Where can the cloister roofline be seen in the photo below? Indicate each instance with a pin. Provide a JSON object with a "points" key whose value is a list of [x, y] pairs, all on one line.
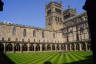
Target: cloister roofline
{"points": [[23, 42], [29, 42], [77, 42], [25, 26]]}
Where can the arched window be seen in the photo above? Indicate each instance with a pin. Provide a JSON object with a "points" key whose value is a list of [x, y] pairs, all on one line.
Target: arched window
{"points": [[53, 35], [16, 39], [34, 33], [43, 34], [3, 39], [9, 39], [56, 18], [81, 30], [22, 40], [28, 40], [24, 32], [39, 41], [14, 31], [34, 40]]}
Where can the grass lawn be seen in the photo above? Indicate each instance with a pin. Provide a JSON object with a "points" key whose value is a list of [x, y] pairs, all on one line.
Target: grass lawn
{"points": [[80, 57]]}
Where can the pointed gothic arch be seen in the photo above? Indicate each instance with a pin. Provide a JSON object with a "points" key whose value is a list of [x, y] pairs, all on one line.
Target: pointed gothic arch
{"points": [[9, 47], [17, 47], [31, 48], [37, 47], [53, 46], [24, 47]]}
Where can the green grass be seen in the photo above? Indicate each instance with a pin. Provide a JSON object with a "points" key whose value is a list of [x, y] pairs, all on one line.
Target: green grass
{"points": [[53, 57]]}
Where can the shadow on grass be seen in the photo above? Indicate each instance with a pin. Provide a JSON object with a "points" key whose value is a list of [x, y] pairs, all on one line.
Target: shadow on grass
{"points": [[88, 60], [47, 62], [4, 59]]}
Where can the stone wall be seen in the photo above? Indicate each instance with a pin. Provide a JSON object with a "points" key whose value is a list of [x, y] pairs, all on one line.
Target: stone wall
{"points": [[76, 28], [12, 32]]}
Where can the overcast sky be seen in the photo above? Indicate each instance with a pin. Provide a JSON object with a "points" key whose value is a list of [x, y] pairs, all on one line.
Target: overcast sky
{"points": [[32, 12]]}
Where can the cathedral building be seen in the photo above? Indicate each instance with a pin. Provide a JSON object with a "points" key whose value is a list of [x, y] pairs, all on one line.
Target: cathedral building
{"points": [[65, 31]]}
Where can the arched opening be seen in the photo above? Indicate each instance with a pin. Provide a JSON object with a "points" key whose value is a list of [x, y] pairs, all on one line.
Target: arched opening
{"points": [[48, 47], [9, 47], [24, 47], [57, 46], [1, 47], [53, 46], [77, 46], [62, 46], [31, 48], [43, 47], [68, 47], [72, 46], [37, 47], [17, 47], [83, 46]]}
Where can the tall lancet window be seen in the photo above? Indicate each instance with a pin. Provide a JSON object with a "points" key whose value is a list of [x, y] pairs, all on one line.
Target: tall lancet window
{"points": [[54, 35], [24, 32], [14, 31], [34, 33], [43, 34]]}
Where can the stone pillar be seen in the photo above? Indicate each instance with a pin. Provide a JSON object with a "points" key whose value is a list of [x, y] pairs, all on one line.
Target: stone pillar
{"points": [[70, 47], [75, 47], [46, 47], [28, 47], [59, 47], [66, 47], [13, 47], [21, 47], [80, 46], [86, 46], [4, 47], [34, 47], [55, 47], [51, 46], [40, 47]]}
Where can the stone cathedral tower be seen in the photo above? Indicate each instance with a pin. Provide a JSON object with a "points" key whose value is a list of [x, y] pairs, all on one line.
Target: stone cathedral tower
{"points": [[54, 16]]}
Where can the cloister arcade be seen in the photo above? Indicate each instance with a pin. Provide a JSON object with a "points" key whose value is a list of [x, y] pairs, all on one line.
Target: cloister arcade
{"points": [[34, 47]]}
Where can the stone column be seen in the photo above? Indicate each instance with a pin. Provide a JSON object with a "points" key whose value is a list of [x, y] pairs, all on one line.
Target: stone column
{"points": [[4, 47], [51, 46], [28, 47], [40, 47], [13, 47], [55, 47], [80, 46], [75, 47], [46, 47], [70, 47], [66, 47], [59, 47], [86, 46], [34, 47], [21, 47]]}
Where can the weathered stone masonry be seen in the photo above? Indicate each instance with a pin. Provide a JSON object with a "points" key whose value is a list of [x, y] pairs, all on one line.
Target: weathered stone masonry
{"points": [[65, 31]]}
